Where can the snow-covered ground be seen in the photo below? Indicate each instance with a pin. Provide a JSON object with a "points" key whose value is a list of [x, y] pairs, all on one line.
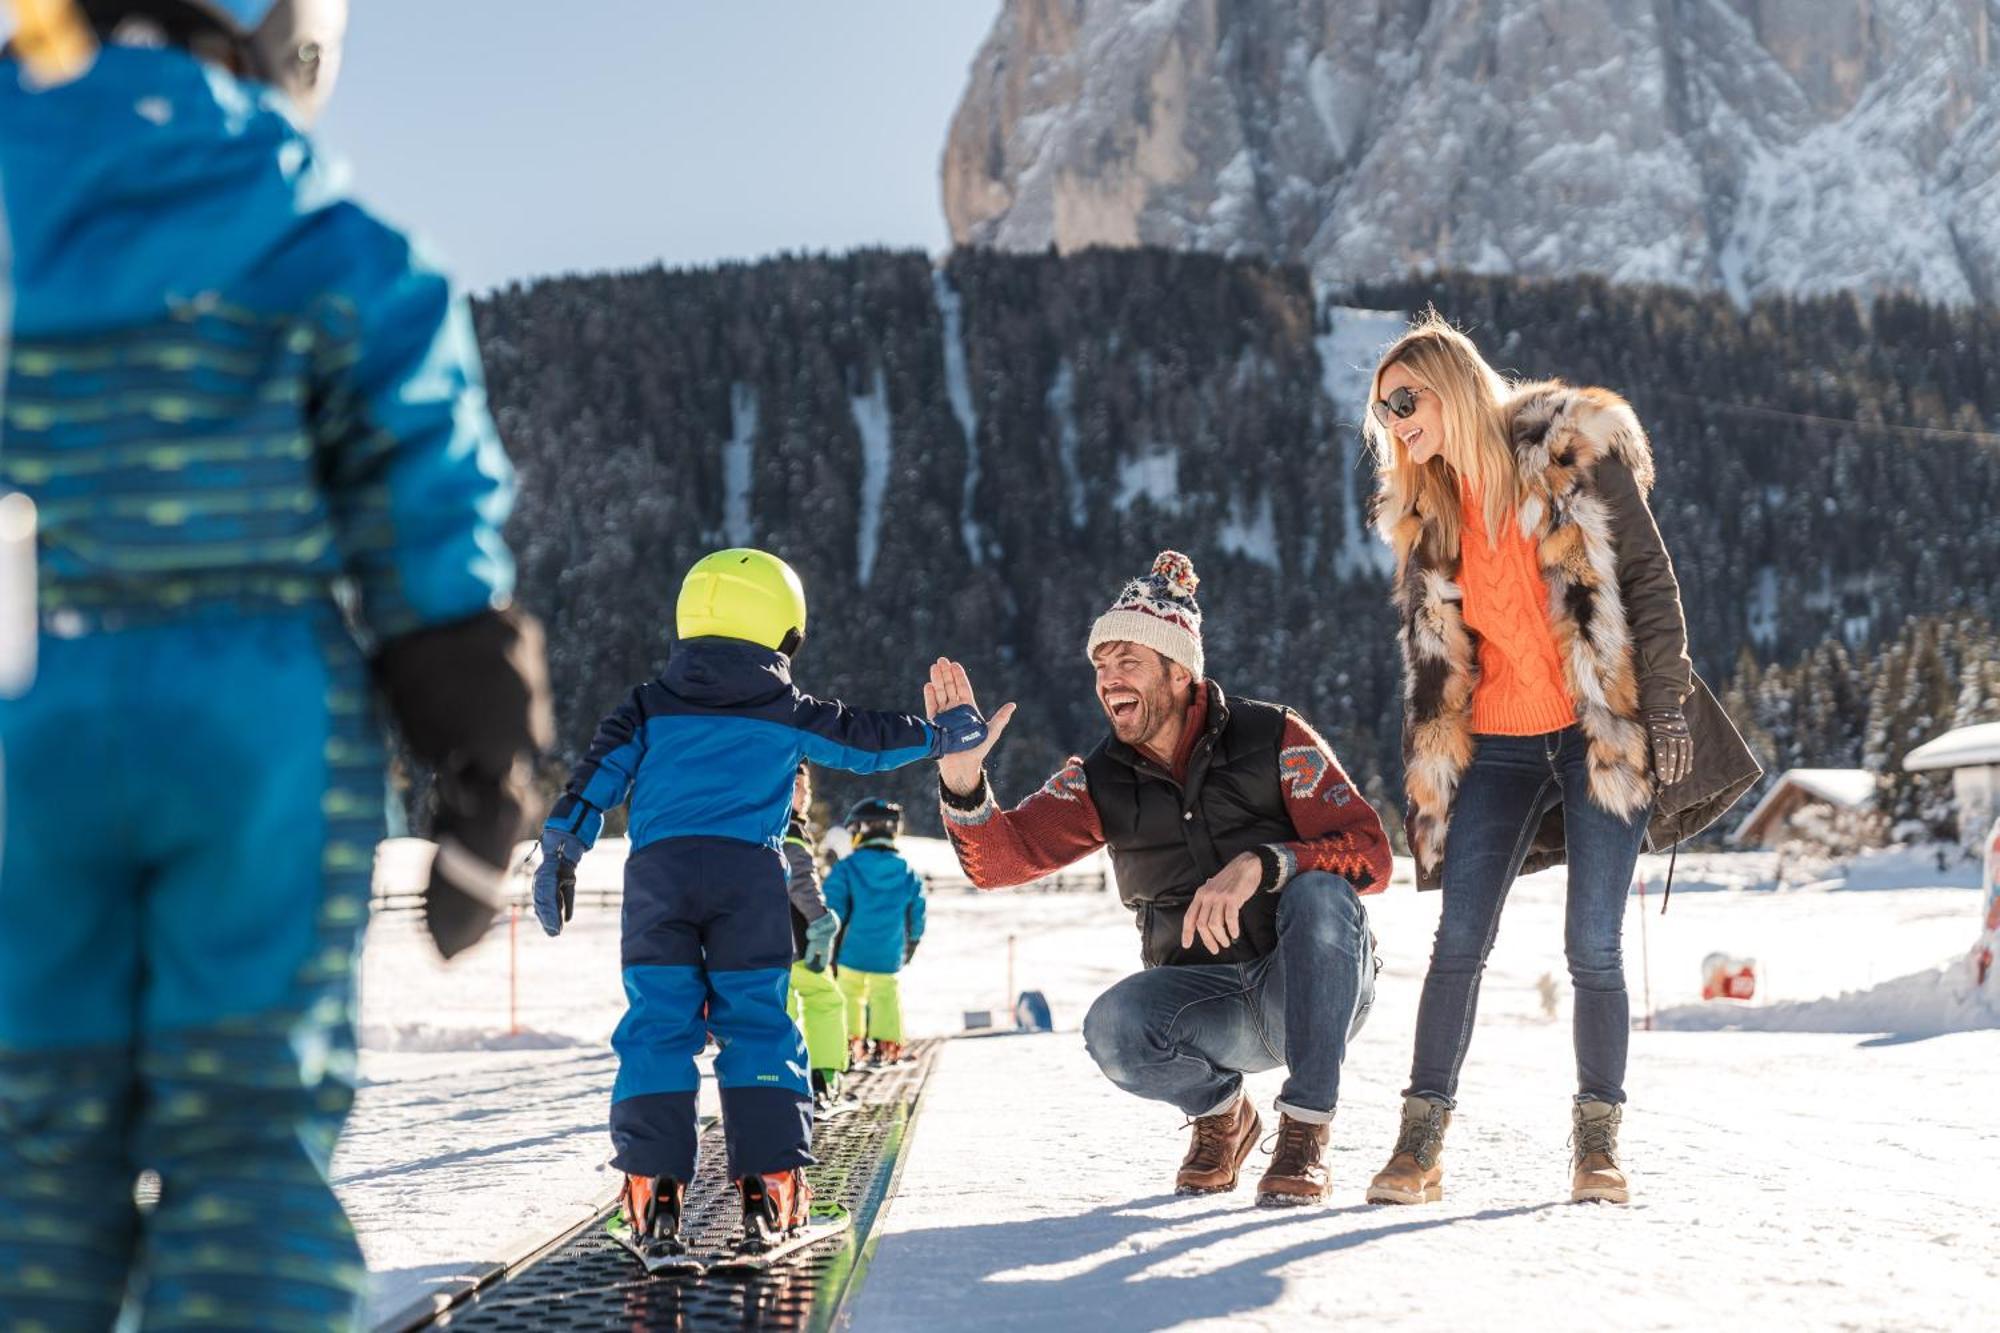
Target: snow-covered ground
{"points": [[1845, 1171], [1839, 1178], [471, 1131]]}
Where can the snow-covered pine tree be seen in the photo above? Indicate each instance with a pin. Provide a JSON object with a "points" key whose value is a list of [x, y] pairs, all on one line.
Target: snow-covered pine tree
{"points": [[1835, 708], [1978, 678], [1924, 712], [1882, 746]]}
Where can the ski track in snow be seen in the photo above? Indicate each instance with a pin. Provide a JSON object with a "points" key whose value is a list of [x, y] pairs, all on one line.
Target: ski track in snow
{"points": [[737, 462], [1347, 356], [1254, 535], [958, 388], [1062, 406], [1154, 476], [1794, 1179], [871, 418]]}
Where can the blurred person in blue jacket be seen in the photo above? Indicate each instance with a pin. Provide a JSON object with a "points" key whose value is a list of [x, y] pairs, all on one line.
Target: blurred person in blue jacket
{"points": [[252, 420], [881, 901], [707, 755]]}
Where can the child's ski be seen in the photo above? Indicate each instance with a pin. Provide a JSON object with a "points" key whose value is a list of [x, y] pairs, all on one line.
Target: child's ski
{"points": [[662, 1258], [825, 1220]]}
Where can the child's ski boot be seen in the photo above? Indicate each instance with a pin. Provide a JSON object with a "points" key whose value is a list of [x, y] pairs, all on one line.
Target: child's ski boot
{"points": [[888, 1053], [779, 1220], [828, 1100], [774, 1206], [651, 1208]]}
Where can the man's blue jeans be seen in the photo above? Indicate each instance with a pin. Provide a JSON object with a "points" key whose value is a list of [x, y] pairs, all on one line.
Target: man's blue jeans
{"points": [[1512, 782], [1188, 1034]]}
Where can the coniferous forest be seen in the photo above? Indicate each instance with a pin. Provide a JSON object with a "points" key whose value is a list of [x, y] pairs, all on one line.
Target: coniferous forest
{"points": [[971, 461]]}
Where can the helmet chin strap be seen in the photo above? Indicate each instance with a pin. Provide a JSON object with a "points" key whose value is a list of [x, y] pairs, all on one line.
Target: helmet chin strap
{"points": [[794, 640]]}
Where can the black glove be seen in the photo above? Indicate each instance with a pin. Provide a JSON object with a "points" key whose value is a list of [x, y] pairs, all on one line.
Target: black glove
{"points": [[1673, 744], [472, 701], [909, 950]]}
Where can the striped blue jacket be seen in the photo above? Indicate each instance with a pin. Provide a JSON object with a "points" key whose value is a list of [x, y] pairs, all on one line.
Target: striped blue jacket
{"points": [[710, 748], [229, 384]]}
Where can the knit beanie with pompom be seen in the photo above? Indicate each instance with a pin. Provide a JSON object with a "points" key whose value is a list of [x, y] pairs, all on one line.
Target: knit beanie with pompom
{"points": [[1159, 611]]}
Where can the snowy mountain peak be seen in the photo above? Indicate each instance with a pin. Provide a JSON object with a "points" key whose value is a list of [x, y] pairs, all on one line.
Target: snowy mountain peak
{"points": [[1757, 145]]}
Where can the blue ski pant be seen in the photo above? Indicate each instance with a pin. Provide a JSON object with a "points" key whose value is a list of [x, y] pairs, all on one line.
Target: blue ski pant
{"points": [[707, 948], [191, 815]]}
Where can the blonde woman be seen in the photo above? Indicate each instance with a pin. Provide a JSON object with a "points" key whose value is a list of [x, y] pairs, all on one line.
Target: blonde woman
{"points": [[1550, 710]]}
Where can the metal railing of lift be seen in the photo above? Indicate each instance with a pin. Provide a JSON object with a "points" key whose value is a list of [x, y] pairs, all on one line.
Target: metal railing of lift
{"points": [[520, 889], [1064, 881], [520, 893]]}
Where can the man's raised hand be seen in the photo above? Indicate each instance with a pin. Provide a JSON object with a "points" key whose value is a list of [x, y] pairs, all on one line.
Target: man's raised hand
{"points": [[949, 688]]}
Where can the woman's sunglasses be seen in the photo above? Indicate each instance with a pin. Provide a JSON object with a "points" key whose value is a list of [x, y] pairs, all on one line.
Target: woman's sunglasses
{"points": [[1399, 404]]}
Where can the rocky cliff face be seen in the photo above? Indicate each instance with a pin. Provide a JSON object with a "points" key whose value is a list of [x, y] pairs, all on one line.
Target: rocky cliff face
{"points": [[1754, 145]]}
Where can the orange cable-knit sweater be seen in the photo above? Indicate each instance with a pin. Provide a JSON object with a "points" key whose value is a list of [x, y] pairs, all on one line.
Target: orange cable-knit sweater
{"points": [[1520, 690]]}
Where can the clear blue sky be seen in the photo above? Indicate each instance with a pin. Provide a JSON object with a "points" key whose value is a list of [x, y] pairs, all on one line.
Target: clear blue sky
{"points": [[530, 138]]}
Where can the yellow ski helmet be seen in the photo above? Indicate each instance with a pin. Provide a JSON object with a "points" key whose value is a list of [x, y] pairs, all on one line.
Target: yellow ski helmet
{"points": [[743, 594]]}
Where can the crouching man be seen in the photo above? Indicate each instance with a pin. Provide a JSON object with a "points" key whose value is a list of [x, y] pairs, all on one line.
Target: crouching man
{"points": [[1242, 847]]}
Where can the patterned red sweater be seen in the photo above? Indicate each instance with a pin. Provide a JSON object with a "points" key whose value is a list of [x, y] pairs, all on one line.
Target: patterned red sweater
{"points": [[1338, 831]]}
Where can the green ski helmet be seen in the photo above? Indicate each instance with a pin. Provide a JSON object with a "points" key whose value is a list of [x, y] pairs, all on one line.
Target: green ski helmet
{"points": [[743, 594]]}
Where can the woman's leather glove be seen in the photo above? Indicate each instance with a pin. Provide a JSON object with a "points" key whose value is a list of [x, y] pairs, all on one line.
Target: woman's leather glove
{"points": [[1673, 744]]}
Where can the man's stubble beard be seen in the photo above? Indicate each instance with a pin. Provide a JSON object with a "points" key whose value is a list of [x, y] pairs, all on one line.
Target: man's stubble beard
{"points": [[1156, 709]]}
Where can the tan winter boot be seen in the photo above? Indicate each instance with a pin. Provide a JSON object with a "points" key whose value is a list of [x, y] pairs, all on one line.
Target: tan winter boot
{"points": [[1297, 1174], [1415, 1173], [1221, 1142], [1598, 1178]]}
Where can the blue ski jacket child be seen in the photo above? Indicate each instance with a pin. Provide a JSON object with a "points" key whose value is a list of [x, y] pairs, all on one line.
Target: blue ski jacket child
{"points": [[706, 755], [881, 901], [251, 419]]}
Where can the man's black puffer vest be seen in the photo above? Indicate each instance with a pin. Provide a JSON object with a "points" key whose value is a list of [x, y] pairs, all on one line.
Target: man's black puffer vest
{"points": [[1167, 839]]}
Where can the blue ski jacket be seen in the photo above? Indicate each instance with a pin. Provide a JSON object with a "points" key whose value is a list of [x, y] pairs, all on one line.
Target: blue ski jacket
{"points": [[228, 383], [880, 900], [710, 747]]}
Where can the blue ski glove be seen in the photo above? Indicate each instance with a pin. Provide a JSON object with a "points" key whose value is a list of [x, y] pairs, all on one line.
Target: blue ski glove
{"points": [[820, 935], [959, 728], [555, 879]]}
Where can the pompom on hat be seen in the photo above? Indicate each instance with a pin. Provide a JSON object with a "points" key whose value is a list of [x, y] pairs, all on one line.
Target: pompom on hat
{"points": [[1159, 611]]}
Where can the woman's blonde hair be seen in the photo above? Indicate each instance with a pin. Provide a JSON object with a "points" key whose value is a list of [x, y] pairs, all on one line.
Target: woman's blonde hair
{"points": [[1474, 449]]}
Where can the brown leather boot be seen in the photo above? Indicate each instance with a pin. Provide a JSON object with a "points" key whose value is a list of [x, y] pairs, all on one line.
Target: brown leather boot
{"points": [[1595, 1140], [1415, 1173], [1297, 1174], [1221, 1142]]}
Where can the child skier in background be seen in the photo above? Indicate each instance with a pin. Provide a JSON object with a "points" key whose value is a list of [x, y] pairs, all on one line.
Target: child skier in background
{"points": [[816, 1003], [881, 900], [708, 755]]}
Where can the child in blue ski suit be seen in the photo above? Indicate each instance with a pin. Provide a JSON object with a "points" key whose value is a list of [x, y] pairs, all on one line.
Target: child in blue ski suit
{"points": [[252, 421], [881, 901], [706, 754]]}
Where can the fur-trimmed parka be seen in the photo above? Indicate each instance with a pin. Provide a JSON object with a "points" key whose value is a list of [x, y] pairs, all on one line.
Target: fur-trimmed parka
{"points": [[1614, 607]]}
